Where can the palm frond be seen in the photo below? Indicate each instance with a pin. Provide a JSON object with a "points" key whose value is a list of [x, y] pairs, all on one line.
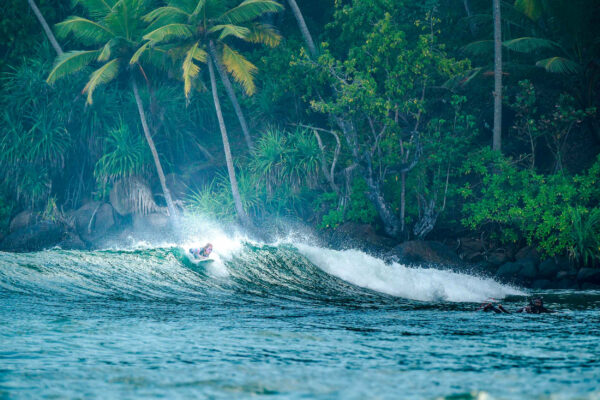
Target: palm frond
{"points": [[106, 50], [96, 8], [70, 62], [559, 65], [168, 32], [102, 75], [199, 6], [242, 70], [249, 10], [529, 44], [190, 69], [480, 47], [532, 8], [264, 34], [138, 53], [165, 12], [84, 30], [230, 30]]}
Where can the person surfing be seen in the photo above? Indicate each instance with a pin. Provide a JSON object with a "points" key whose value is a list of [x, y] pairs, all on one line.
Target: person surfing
{"points": [[201, 253]]}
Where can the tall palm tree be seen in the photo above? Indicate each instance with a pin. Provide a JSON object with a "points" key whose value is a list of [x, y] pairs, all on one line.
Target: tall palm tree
{"points": [[115, 33], [303, 28], [199, 31], [497, 136], [47, 30]]}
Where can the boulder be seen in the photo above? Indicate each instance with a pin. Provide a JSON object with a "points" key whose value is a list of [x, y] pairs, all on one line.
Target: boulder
{"points": [[589, 275], [429, 252], [497, 258], [548, 269], [150, 222], [565, 283], [541, 284], [33, 238], [72, 241], [528, 253], [352, 235], [471, 249], [23, 220], [93, 220], [590, 286], [508, 271], [528, 270]]}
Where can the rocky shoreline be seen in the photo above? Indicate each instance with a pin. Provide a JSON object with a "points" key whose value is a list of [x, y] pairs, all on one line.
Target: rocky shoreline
{"points": [[95, 224]]}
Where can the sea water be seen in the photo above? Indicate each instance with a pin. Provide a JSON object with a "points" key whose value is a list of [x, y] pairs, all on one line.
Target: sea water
{"points": [[283, 321]]}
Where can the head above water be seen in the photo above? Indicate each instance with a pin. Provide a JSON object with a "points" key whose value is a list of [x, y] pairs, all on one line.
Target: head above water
{"points": [[537, 302]]}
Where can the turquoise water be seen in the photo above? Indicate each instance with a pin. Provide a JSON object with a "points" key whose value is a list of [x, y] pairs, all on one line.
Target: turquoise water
{"points": [[283, 322]]}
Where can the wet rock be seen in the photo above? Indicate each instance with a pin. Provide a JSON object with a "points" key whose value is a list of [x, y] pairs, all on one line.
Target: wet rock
{"points": [[541, 284], [565, 284], [23, 220], [429, 252], [93, 220], [352, 235], [150, 222], [36, 237], [548, 269], [497, 258], [509, 271], [528, 270], [528, 253], [589, 275], [471, 249], [72, 242], [590, 286]]}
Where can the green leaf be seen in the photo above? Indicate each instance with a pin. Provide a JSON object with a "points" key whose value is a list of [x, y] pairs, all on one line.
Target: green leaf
{"points": [[529, 44], [84, 30], [242, 70], [264, 34], [136, 56], [190, 69], [249, 10], [559, 65], [102, 75], [230, 30], [168, 32], [480, 47], [71, 62]]}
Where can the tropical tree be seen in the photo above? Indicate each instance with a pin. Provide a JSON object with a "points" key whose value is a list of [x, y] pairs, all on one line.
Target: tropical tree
{"points": [[115, 33], [497, 139], [200, 31], [303, 28], [45, 26]]}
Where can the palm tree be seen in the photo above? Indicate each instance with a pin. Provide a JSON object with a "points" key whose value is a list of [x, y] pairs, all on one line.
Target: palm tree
{"points": [[497, 138], [198, 31], [46, 28], [303, 28], [115, 30]]}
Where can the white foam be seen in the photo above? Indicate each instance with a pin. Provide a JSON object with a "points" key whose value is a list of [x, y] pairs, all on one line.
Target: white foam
{"points": [[424, 284]]}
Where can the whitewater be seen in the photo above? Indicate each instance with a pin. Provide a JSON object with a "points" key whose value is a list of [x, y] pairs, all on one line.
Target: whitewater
{"points": [[281, 319]]}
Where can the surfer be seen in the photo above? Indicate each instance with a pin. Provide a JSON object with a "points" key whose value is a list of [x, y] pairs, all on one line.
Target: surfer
{"points": [[202, 252], [536, 306], [491, 307]]}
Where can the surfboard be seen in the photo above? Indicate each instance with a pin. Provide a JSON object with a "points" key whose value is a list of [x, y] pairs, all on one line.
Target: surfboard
{"points": [[200, 261]]}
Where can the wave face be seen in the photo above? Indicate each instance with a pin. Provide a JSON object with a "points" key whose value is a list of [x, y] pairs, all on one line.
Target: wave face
{"points": [[299, 271]]}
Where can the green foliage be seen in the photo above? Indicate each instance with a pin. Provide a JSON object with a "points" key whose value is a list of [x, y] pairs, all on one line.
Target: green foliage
{"points": [[359, 209], [586, 236]]}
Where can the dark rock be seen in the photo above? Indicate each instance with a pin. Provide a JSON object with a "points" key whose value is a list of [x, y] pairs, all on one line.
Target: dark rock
{"points": [[497, 258], [548, 269], [589, 275], [590, 286], [72, 242], [23, 220], [541, 284], [150, 222], [352, 235], [471, 249], [528, 253], [487, 268], [33, 238], [93, 220], [508, 271], [417, 251], [528, 270], [565, 284]]}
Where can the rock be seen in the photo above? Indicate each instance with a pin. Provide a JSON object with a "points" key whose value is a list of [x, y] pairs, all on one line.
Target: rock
{"points": [[33, 238], [72, 242], [528, 253], [565, 284], [590, 286], [541, 284], [589, 275], [508, 271], [150, 222], [528, 270], [548, 269], [497, 258], [430, 252], [352, 235], [23, 220], [93, 220], [471, 249]]}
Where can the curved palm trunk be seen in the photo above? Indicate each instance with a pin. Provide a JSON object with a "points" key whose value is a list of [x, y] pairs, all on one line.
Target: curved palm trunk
{"points": [[303, 28], [234, 186], [497, 140], [47, 29], [232, 96], [161, 175]]}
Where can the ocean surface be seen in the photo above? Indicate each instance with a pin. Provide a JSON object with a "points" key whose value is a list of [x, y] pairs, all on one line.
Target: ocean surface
{"points": [[281, 321]]}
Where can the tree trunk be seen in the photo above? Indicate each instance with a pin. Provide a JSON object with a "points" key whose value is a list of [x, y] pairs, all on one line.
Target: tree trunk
{"points": [[47, 29], [161, 175], [497, 139], [303, 28], [469, 14], [232, 95], [402, 200], [243, 217]]}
